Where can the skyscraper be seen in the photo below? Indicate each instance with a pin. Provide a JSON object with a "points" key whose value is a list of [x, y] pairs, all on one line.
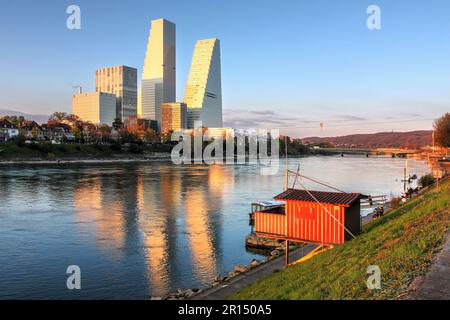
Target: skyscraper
{"points": [[203, 95], [121, 81], [158, 76]]}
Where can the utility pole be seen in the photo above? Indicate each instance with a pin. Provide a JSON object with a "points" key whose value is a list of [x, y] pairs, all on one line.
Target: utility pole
{"points": [[404, 176], [287, 169]]}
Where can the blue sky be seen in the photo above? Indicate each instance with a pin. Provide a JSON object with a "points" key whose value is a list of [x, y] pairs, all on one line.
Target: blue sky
{"points": [[289, 64]]}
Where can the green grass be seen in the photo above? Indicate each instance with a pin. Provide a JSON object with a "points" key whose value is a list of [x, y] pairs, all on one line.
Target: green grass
{"points": [[402, 243]]}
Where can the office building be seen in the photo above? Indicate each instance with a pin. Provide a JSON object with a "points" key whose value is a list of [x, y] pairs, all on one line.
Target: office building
{"points": [[95, 107], [173, 116], [158, 75], [122, 82]]}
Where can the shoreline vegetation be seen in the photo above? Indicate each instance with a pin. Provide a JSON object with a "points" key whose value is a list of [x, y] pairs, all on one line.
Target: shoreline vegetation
{"points": [[403, 243], [20, 150]]}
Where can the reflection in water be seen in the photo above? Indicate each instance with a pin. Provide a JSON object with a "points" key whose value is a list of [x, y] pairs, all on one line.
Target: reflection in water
{"points": [[145, 229], [100, 212]]}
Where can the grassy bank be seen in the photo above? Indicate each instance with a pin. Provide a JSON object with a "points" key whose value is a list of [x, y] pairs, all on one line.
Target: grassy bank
{"points": [[47, 151], [402, 244]]}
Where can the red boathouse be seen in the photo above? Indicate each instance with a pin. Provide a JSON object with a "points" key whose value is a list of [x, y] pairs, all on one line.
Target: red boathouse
{"points": [[311, 216]]}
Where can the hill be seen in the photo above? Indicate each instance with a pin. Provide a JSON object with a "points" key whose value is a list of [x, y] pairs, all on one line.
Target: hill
{"points": [[410, 140], [39, 118], [403, 244]]}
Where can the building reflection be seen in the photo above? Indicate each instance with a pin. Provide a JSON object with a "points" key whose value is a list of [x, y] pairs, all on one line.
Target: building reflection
{"points": [[157, 206], [97, 209], [171, 215]]}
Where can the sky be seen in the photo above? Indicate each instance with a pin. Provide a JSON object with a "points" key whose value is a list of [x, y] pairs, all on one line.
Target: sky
{"points": [[287, 64]]}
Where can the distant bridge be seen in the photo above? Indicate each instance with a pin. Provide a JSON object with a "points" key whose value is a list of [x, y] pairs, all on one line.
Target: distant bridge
{"points": [[365, 151]]}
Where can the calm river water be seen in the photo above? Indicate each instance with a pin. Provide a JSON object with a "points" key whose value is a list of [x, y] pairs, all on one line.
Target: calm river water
{"points": [[141, 230]]}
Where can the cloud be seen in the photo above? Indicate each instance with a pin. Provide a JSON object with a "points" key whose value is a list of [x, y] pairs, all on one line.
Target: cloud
{"points": [[271, 119]]}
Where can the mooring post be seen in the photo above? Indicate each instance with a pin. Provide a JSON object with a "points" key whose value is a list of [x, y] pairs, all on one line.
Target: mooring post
{"points": [[286, 257]]}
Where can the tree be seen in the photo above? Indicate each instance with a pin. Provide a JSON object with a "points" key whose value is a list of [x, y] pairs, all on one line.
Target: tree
{"points": [[150, 135], [442, 130], [58, 116], [77, 133], [15, 120], [105, 133], [117, 124], [426, 180]]}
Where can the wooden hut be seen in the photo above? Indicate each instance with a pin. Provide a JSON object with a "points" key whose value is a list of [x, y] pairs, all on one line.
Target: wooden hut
{"points": [[311, 216]]}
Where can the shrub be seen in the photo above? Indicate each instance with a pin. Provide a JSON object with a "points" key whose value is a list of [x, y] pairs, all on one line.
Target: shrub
{"points": [[50, 156], [44, 147], [62, 148], [100, 147], [395, 202], [426, 180], [20, 140], [116, 147], [135, 148]]}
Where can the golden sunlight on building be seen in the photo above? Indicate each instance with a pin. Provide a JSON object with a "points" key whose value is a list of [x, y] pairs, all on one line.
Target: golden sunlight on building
{"points": [[156, 222], [200, 233], [108, 221]]}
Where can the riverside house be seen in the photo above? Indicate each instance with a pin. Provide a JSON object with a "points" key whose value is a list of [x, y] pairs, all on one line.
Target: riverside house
{"points": [[31, 130], [58, 132], [7, 130]]}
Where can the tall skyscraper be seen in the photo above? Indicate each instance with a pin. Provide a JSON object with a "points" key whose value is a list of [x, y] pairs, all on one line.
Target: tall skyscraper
{"points": [[121, 81], [203, 95], [95, 107], [158, 76]]}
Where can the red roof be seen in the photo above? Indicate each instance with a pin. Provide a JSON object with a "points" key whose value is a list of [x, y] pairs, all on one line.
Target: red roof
{"points": [[321, 196]]}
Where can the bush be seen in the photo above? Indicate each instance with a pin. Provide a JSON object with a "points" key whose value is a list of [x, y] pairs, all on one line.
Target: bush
{"points": [[100, 147], [50, 156], [135, 148], [45, 147], [116, 147], [62, 148], [426, 180], [395, 202], [19, 140]]}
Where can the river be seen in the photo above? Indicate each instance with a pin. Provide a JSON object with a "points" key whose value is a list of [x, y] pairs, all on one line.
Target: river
{"points": [[146, 229]]}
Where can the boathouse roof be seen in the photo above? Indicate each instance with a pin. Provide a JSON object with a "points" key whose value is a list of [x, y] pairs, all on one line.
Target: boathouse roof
{"points": [[321, 196]]}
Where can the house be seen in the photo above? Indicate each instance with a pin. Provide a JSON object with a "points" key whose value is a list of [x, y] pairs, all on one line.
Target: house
{"points": [[58, 132], [311, 216], [31, 130], [7, 130]]}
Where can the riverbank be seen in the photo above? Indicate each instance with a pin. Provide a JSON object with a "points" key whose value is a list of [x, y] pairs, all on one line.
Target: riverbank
{"points": [[46, 153], [130, 159], [403, 244], [231, 285]]}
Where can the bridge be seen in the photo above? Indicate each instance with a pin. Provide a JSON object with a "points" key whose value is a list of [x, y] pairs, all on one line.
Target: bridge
{"points": [[366, 151]]}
